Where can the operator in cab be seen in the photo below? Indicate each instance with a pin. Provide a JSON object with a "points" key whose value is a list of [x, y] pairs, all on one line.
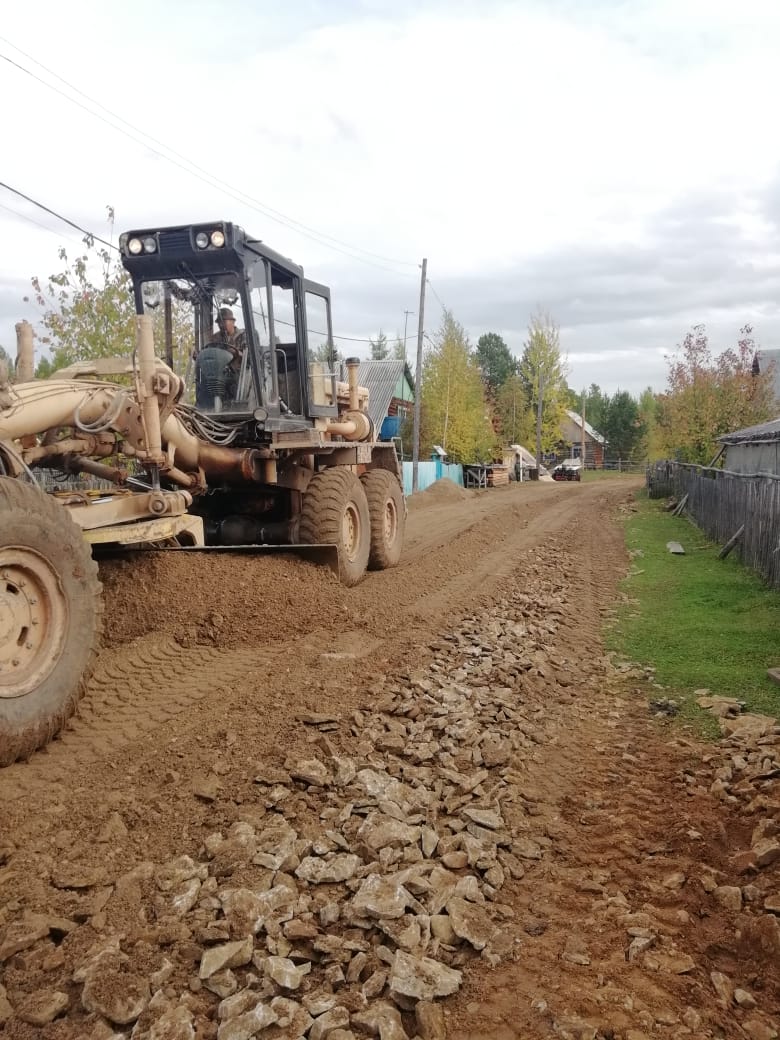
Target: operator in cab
{"points": [[218, 365], [234, 340]]}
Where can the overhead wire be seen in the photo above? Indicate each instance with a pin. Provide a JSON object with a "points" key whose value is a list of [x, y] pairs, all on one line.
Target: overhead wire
{"points": [[59, 216], [199, 172], [351, 339], [31, 220], [110, 245], [436, 295]]}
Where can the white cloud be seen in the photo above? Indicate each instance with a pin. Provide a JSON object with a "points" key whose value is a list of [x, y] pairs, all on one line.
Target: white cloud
{"points": [[611, 159]]}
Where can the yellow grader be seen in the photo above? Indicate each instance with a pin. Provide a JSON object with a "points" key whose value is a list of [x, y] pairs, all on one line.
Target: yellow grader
{"points": [[254, 444]]}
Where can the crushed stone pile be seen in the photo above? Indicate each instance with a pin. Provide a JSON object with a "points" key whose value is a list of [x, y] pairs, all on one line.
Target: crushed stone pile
{"points": [[348, 897]]}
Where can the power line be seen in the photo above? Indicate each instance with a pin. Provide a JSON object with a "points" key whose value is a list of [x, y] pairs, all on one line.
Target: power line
{"points": [[59, 216], [438, 298], [350, 339], [30, 220], [97, 238], [198, 171]]}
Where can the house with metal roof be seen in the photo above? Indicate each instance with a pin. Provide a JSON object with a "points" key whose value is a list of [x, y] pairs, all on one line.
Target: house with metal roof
{"points": [[571, 435], [390, 386], [756, 449]]}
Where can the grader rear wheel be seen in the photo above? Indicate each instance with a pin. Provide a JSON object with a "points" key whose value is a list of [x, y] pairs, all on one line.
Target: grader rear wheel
{"points": [[388, 518], [335, 512], [50, 618]]}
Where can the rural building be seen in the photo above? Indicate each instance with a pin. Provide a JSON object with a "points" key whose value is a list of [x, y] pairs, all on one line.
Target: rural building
{"points": [[766, 358], [390, 388], [571, 438], [756, 449]]}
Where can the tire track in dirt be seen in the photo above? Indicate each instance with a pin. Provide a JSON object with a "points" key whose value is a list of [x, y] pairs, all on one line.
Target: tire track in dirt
{"points": [[143, 689], [131, 696]]}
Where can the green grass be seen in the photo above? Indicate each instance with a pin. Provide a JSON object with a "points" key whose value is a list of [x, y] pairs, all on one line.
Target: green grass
{"points": [[700, 621], [607, 474]]}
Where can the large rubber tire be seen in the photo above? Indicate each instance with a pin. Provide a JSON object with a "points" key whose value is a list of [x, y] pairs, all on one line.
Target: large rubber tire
{"points": [[335, 512], [50, 618], [387, 511]]}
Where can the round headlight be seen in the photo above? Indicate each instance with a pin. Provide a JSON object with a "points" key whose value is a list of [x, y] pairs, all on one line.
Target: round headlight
{"points": [[134, 246], [217, 239], [201, 240], [150, 245]]}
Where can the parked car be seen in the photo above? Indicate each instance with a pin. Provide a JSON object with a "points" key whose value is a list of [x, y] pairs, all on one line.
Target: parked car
{"points": [[569, 469]]}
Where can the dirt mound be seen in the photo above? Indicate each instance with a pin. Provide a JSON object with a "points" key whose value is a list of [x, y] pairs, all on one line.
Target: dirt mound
{"points": [[444, 490], [222, 598]]}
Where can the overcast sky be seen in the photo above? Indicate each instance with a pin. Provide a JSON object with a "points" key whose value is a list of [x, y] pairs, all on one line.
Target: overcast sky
{"points": [[615, 162]]}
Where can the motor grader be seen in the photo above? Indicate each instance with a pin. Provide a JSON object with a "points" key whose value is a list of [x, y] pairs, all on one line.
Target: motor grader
{"points": [[212, 441]]}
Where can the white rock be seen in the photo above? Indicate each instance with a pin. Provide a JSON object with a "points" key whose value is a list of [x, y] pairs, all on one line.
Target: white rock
{"points": [[290, 1016], [744, 999], [470, 922], [422, 978], [333, 870], [380, 831], [336, 1018], [430, 839], [174, 1024], [484, 817], [382, 1020], [226, 955], [382, 896], [285, 973], [318, 1002], [185, 897], [729, 897], [247, 1024], [223, 983], [173, 874], [311, 771]]}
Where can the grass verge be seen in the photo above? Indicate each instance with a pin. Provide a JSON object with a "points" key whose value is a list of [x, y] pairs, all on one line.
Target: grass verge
{"points": [[609, 474], [700, 621]]}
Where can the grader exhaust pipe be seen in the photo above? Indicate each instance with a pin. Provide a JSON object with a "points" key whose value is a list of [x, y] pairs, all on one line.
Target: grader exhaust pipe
{"points": [[25, 352]]}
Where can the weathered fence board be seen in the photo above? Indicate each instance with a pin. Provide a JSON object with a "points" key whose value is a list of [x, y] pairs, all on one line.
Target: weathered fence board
{"points": [[722, 502]]}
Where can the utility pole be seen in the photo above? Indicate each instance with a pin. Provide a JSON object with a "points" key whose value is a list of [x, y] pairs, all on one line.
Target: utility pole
{"points": [[582, 441], [539, 424], [418, 378]]}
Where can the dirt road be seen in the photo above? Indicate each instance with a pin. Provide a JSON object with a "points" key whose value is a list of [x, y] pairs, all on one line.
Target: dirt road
{"points": [[424, 806]]}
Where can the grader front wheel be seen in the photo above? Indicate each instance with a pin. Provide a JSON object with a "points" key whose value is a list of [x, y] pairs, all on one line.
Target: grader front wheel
{"points": [[50, 614], [335, 512]]}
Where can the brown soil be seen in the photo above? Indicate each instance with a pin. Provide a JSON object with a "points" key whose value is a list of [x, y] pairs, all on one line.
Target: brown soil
{"points": [[444, 490], [208, 665]]}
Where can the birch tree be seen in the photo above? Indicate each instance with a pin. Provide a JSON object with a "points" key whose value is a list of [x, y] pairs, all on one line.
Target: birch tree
{"points": [[455, 413]]}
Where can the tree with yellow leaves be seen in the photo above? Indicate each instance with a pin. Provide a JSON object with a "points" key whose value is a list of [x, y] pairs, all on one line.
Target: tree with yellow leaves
{"points": [[455, 412], [543, 373]]}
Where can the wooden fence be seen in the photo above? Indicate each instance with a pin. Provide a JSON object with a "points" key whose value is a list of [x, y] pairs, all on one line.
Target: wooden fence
{"points": [[722, 502]]}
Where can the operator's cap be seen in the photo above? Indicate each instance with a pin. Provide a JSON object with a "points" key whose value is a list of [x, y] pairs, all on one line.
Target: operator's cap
{"points": [[226, 314]]}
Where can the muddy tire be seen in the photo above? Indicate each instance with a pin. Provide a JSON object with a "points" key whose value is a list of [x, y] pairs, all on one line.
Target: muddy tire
{"points": [[387, 512], [50, 618], [335, 512]]}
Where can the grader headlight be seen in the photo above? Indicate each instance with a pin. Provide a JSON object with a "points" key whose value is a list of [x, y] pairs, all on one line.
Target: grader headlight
{"points": [[202, 240], [217, 239], [150, 245], [135, 246]]}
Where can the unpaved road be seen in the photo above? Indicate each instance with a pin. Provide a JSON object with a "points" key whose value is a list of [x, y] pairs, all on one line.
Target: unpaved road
{"points": [[451, 726]]}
